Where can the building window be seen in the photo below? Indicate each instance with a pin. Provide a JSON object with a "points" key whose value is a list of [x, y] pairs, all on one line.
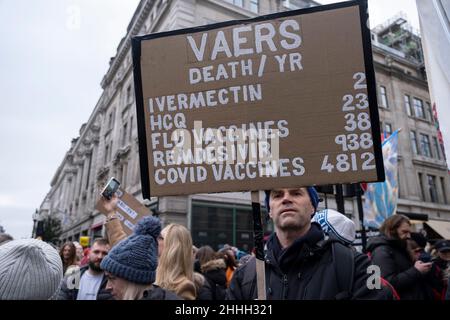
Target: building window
{"points": [[425, 146], [422, 191], [137, 171], [444, 190], [436, 147], [107, 154], [383, 97], [418, 108], [413, 139], [429, 112], [254, 6], [131, 127], [124, 134], [213, 226], [408, 105], [88, 172], [218, 224], [97, 232], [124, 174], [239, 3], [129, 95], [110, 121], [432, 188]]}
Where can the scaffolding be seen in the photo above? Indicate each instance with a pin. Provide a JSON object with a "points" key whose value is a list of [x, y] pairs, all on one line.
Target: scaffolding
{"points": [[398, 34]]}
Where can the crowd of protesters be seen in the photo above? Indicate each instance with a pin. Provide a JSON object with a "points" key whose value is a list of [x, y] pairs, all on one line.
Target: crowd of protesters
{"points": [[308, 256]]}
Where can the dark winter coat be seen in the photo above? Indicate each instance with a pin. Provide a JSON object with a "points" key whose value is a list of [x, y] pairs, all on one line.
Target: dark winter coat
{"points": [[158, 293], [437, 279], [214, 273], [204, 291], [447, 294], [71, 294], [397, 267], [306, 270]]}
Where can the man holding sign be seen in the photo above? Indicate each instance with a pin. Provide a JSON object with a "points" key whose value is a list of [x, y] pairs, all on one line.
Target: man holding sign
{"points": [[300, 262]]}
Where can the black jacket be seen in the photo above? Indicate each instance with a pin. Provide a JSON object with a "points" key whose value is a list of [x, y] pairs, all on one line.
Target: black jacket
{"points": [[306, 270], [397, 267], [71, 294], [215, 276], [158, 293], [436, 278]]}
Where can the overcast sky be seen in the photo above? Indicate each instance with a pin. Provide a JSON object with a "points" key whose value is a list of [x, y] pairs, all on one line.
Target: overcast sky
{"points": [[53, 56]]}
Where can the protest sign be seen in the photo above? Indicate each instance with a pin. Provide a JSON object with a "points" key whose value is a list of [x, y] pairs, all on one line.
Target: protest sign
{"points": [[283, 100], [129, 210]]}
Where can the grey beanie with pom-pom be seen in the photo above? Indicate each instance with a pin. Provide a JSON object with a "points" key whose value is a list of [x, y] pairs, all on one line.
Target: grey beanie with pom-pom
{"points": [[135, 258]]}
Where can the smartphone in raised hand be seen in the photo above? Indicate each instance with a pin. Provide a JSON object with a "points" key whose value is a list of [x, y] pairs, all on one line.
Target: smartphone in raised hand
{"points": [[111, 187]]}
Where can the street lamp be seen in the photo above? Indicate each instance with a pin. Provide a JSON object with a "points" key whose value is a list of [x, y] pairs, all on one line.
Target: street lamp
{"points": [[38, 228], [35, 217]]}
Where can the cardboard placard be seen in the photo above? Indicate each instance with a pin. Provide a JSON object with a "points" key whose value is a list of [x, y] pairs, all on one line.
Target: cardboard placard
{"points": [[129, 210], [283, 100]]}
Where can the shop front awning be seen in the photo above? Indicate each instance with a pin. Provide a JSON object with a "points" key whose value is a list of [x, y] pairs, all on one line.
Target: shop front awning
{"points": [[440, 227]]}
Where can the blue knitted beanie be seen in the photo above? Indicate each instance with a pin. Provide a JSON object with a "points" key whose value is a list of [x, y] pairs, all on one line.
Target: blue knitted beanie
{"points": [[135, 258], [314, 197]]}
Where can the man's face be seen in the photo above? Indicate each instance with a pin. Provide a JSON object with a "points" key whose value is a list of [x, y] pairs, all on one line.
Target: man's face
{"points": [[79, 252], [290, 209], [98, 252], [66, 252], [404, 231], [444, 255]]}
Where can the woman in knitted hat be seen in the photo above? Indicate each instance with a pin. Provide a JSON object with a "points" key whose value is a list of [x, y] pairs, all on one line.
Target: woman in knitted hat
{"points": [[131, 264]]}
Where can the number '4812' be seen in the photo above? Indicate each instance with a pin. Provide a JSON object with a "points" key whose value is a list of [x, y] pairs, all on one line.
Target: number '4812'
{"points": [[344, 163]]}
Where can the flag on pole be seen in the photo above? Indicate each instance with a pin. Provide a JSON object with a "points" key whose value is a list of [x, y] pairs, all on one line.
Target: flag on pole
{"points": [[381, 197], [438, 128]]}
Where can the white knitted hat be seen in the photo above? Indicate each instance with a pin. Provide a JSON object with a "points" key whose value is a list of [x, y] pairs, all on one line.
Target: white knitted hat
{"points": [[30, 269], [335, 222]]}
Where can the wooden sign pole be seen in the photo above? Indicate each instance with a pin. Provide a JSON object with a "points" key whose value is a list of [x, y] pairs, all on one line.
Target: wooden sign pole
{"points": [[259, 246]]}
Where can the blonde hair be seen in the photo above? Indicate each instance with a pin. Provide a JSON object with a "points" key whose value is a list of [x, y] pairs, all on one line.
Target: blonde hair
{"points": [[176, 263], [134, 291]]}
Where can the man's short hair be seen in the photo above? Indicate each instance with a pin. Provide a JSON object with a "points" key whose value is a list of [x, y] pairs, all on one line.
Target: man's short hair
{"points": [[101, 242], [313, 196]]}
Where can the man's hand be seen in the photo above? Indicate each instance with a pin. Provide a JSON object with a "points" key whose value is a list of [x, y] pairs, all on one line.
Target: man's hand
{"points": [[423, 267]]}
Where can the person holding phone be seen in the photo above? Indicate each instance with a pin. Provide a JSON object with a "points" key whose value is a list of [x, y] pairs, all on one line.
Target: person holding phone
{"points": [[442, 265], [108, 200], [390, 252], [431, 282], [114, 229]]}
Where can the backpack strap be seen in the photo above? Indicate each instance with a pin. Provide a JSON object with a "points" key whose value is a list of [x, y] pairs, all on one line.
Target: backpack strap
{"points": [[250, 270], [249, 278], [344, 268]]}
